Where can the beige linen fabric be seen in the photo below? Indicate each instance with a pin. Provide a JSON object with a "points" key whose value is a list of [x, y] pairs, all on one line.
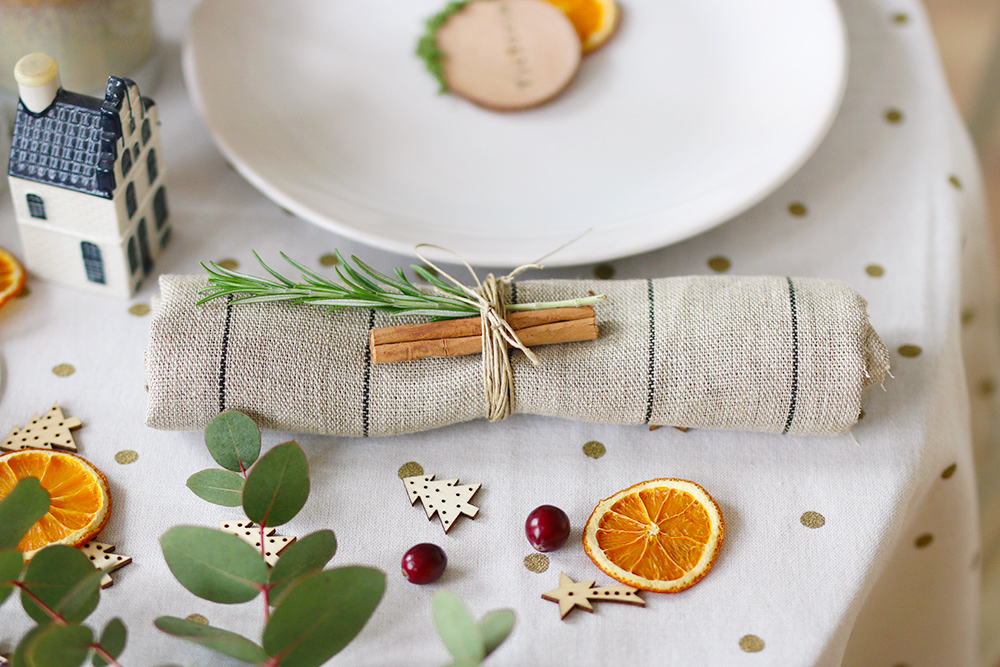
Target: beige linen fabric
{"points": [[772, 354]]}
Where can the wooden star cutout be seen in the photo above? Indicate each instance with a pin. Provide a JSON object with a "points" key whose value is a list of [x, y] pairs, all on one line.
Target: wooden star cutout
{"points": [[51, 431], [250, 533], [100, 555], [572, 594]]}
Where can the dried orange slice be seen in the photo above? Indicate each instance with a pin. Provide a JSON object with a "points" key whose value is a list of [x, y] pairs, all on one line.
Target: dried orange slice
{"points": [[595, 20], [661, 536], [12, 276], [80, 498]]}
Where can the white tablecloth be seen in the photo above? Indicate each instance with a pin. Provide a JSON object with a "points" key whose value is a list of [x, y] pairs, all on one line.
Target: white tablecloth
{"points": [[891, 577]]}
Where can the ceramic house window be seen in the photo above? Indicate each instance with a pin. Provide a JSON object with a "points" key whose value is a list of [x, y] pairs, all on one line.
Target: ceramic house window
{"points": [[147, 258], [160, 207], [36, 207], [133, 256], [126, 163], [151, 165], [130, 203], [147, 132], [92, 262]]}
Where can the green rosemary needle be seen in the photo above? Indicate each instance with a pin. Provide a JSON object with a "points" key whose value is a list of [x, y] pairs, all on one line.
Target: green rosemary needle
{"points": [[361, 287]]}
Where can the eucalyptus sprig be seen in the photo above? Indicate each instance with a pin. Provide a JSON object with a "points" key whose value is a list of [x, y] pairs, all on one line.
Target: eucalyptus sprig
{"points": [[310, 613], [59, 589], [468, 642], [361, 287]]}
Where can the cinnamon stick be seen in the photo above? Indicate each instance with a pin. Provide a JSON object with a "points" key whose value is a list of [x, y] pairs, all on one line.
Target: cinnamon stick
{"points": [[566, 331], [472, 326]]}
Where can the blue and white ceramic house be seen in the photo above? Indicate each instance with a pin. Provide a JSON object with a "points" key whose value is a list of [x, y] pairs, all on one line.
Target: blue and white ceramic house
{"points": [[86, 178]]}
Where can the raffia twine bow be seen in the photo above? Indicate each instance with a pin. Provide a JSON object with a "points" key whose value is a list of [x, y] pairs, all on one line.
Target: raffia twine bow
{"points": [[497, 334]]}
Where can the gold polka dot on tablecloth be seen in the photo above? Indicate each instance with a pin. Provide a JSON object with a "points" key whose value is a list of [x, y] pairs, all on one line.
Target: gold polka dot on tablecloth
{"points": [[955, 182], [874, 270], [812, 520], [949, 471], [23, 293], [594, 449], [968, 315], [229, 263], [900, 18], [751, 643], [537, 563], [126, 456], [719, 264], [139, 310], [63, 370], [909, 351], [798, 209], [410, 469], [894, 116], [986, 387], [197, 618], [604, 271], [923, 540], [329, 259]]}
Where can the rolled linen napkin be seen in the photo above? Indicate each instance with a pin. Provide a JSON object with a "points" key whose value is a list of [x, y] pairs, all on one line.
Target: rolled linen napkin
{"points": [[772, 354]]}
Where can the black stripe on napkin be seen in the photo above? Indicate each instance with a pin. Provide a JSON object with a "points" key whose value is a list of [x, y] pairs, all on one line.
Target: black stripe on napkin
{"points": [[652, 344], [795, 355], [368, 374], [225, 353]]}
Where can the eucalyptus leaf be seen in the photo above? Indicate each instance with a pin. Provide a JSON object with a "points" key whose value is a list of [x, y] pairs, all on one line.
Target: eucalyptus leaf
{"points": [[233, 440], [213, 565], [222, 487], [11, 564], [456, 627], [52, 575], [494, 627], [217, 639], [278, 486], [112, 641], [75, 605], [60, 646], [320, 615], [305, 556], [20, 657], [20, 510]]}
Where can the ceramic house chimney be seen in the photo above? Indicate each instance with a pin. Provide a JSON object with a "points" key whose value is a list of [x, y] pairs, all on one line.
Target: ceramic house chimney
{"points": [[37, 81]]}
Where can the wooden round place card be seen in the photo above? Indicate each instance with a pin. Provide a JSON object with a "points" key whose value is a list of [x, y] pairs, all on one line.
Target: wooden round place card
{"points": [[509, 54]]}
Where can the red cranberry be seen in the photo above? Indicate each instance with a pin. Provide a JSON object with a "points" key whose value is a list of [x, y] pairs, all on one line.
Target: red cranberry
{"points": [[424, 563], [547, 528]]}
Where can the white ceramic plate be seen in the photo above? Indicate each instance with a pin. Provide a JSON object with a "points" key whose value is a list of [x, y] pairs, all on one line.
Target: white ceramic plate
{"points": [[693, 112]]}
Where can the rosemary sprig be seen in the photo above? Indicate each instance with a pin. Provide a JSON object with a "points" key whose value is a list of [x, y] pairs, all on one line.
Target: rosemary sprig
{"points": [[361, 287]]}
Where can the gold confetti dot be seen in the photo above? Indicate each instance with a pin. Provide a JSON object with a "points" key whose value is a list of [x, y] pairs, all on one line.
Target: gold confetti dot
{"points": [[230, 264], [909, 351], [604, 271], [751, 643], [798, 209], [23, 293], [894, 116], [139, 310], [955, 182], [968, 315], [949, 471], [63, 370], [987, 387], [719, 264], [329, 259], [197, 618], [812, 520], [594, 449], [923, 540], [874, 270], [900, 18], [410, 469], [126, 456], [537, 563]]}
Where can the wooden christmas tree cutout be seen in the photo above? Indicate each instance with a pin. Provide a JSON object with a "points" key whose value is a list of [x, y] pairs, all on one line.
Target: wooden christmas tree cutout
{"points": [[100, 555], [51, 431], [250, 533], [446, 497], [572, 594]]}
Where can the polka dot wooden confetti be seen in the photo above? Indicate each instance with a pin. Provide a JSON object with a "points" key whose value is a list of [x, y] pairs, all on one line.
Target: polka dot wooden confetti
{"points": [[250, 533], [51, 431], [446, 497], [100, 555], [572, 594]]}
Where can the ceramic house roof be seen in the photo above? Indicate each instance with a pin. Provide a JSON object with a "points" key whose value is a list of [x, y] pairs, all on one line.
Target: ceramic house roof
{"points": [[73, 143]]}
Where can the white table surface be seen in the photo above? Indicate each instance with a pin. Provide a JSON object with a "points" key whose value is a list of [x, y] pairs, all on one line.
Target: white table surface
{"points": [[857, 591]]}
